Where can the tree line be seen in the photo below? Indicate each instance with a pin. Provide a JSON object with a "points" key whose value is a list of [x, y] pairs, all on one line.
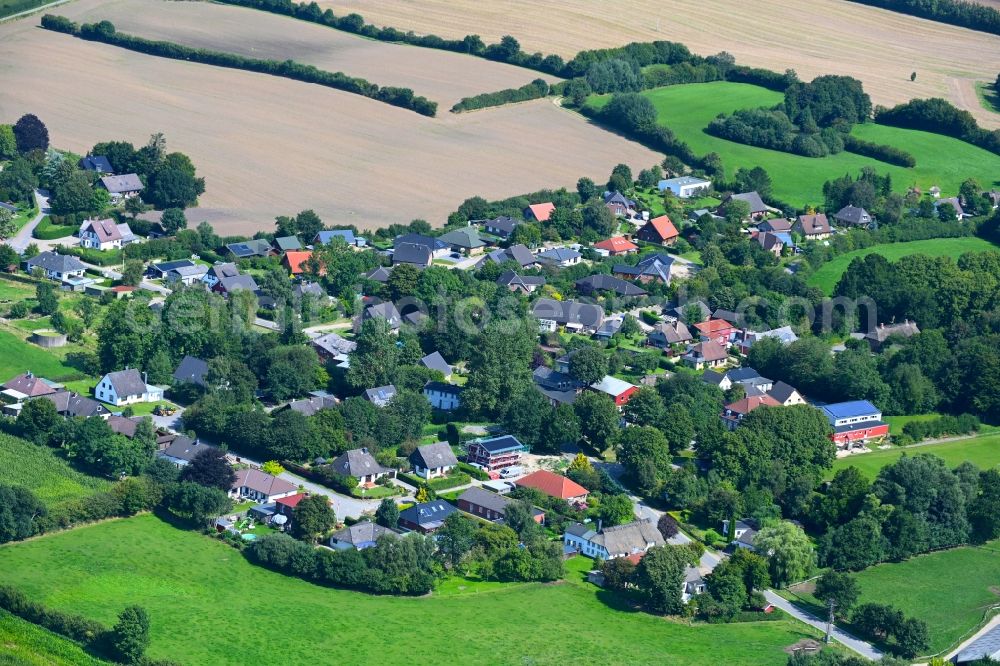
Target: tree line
{"points": [[941, 117], [534, 90], [105, 32], [971, 15]]}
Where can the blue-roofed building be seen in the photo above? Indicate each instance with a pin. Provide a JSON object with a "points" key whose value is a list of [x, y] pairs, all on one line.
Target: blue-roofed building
{"points": [[426, 517], [97, 163], [986, 646], [160, 270], [855, 424], [325, 236], [495, 453]]}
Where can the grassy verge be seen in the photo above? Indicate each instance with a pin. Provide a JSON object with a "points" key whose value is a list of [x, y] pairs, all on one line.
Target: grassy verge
{"points": [[984, 451], [176, 575], [17, 356], [44, 472], [25, 644], [828, 275], [988, 96]]}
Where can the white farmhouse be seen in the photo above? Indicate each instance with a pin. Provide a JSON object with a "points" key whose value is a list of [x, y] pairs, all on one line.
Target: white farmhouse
{"points": [[126, 387]]}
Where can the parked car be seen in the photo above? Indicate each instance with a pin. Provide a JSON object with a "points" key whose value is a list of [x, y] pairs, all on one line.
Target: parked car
{"points": [[512, 471]]}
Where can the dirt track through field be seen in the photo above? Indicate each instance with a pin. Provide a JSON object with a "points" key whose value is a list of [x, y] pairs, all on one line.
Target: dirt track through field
{"points": [[817, 37], [269, 146]]}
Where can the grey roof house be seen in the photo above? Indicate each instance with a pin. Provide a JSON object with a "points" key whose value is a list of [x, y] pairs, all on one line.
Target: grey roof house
{"points": [[413, 254], [191, 370], [126, 185], [434, 361], [602, 282], [96, 163], [380, 396], [359, 536], [255, 247], [361, 465], [426, 517]]}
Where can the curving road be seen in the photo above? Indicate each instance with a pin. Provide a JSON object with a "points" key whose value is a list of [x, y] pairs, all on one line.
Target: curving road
{"points": [[22, 239], [864, 649]]}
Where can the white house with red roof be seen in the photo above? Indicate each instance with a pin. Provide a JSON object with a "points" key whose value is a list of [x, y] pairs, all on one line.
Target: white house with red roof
{"points": [[719, 331], [734, 413], [540, 211], [616, 246], [105, 234]]}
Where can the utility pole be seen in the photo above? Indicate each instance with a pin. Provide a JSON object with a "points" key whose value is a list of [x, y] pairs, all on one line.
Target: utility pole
{"points": [[829, 623]]}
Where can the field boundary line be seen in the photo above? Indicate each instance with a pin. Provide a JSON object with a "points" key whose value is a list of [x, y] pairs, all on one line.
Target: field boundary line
{"points": [[28, 12]]}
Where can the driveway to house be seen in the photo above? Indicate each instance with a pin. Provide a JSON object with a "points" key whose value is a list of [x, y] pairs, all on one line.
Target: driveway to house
{"points": [[22, 238], [864, 649], [266, 323], [343, 505], [709, 559]]}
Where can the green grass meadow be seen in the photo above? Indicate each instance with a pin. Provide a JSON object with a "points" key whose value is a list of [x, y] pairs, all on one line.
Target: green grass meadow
{"points": [[208, 605], [18, 355], [26, 644], [687, 109], [41, 470], [983, 451], [828, 275]]}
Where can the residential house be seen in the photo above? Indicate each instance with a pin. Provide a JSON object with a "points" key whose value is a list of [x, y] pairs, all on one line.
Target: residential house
{"points": [[598, 283], [314, 403], [105, 234], [181, 450], [757, 207], [609, 328], [555, 485], [380, 396], [433, 460], [855, 423], [571, 315], [745, 377], [775, 226], [705, 355], [297, 262], [680, 311], [121, 187], [446, 397], [126, 387], [734, 413], [427, 517], [540, 211], [285, 506], [524, 284], [465, 240], [28, 386], [853, 216], [985, 649], [159, 271], [228, 285], [813, 227], [716, 330], [333, 347], [379, 274], [411, 253], [616, 246], [258, 486], [187, 275], [256, 247], [191, 370], [685, 187], [954, 203], [359, 536], [665, 335], [619, 204], [694, 584], [361, 465], [659, 230], [785, 335], [437, 248], [617, 389], [613, 542], [99, 164], [771, 243], [518, 253], [490, 506], [121, 425], [744, 534], [654, 268], [219, 271], [385, 310], [878, 337], [561, 257], [786, 395], [287, 243], [502, 227], [347, 235], [73, 405], [560, 388], [62, 267], [729, 316], [434, 361], [495, 453]]}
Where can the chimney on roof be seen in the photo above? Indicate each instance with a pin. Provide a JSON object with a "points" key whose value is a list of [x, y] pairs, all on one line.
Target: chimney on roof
{"points": [[600, 524], [364, 449]]}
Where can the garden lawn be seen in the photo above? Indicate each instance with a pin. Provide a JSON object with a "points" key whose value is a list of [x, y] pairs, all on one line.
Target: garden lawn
{"points": [[828, 275], [983, 451], [44, 472], [688, 109], [13, 290], [17, 356], [178, 575], [26, 644], [949, 590]]}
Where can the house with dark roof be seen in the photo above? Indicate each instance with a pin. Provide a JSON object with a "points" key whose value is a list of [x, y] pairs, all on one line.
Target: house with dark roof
{"points": [[561, 257], [758, 209], [776, 225], [286, 243], [853, 216], [181, 450], [191, 370], [771, 243], [619, 204], [659, 230], [126, 387], [667, 334], [255, 247], [540, 211], [62, 267], [571, 315], [955, 203], [879, 336], [616, 246], [427, 517], [228, 285], [502, 227], [309, 406], [744, 534], [600, 283], [680, 311], [985, 649], [745, 377], [434, 361], [416, 255], [708, 354], [27, 385], [160, 270], [380, 396], [121, 187], [559, 387], [359, 536], [465, 240], [385, 310], [258, 486], [333, 347], [517, 253], [361, 465], [218, 271], [186, 274], [654, 268], [495, 453], [612, 542], [446, 397], [490, 506], [524, 284], [379, 274], [433, 460], [72, 405], [435, 246], [97, 163], [813, 227], [786, 394]]}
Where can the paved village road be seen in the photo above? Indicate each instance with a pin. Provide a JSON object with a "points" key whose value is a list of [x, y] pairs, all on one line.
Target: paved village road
{"points": [[839, 635], [22, 238]]}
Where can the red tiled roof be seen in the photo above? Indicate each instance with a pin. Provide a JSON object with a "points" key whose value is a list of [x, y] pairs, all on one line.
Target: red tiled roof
{"points": [[617, 244], [747, 405], [552, 484], [664, 227], [634, 558], [122, 288], [713, 326], [291, 501], [542, 211], [296, 260]]}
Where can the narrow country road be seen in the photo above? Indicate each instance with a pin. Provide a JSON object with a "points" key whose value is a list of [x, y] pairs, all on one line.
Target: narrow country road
{"points": [[33, 10], [22, 238], [864, 649]]}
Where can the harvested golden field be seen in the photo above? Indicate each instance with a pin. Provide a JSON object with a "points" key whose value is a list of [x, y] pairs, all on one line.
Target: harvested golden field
{"points": [[880, 47], [269, 146], [442, 76]]}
